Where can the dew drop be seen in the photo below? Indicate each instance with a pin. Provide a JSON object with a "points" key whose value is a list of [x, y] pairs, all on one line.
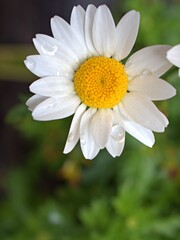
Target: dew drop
{"points": [[50, 106], [67, 74], [117, 133], [64, 90], [70, 137], [129, 64], [146, 72], [83, 141], [49, 49]]}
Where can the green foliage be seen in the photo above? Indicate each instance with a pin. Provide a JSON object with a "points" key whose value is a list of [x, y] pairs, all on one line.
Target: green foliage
{"points": [[51, 196], [141, 208], [159, 21], [12, 62]]}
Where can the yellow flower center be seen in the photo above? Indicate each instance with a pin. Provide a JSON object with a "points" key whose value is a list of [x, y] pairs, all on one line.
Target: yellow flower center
{"points": [[101, 82]]}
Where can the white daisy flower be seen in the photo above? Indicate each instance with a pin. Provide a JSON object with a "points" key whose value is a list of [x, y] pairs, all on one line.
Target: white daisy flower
{"points": [[81, 73], [173, 55]]}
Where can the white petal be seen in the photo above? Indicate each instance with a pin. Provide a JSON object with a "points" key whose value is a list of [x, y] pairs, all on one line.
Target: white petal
{"points": [[88, 145], [89, 18], [52, 86], [153, 87], [104, 32], [173, 55], [56, 108], [117, 116], [65, 33], [33, 101], [127, 30], [52, 47], [115, 147], [74, 131], [116, 141], [101, 125], [139, 132], [43, 66], [143, 111], [149, 60], [78, 22], [123, 112]]}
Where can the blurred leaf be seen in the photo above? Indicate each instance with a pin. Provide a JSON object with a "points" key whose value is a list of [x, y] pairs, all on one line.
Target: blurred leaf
{"points": [[12, 62]]}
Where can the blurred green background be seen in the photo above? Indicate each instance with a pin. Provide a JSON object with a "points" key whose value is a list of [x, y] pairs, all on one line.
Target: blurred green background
{"points": [[45, 195]]}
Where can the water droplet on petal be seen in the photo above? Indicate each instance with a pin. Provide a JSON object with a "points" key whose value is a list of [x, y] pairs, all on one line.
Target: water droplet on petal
{"points": [[83, 141], [130, 78], [129, 61], [70, 137], [117, 133], [67, 74], [146, 72], [30, 64], [49, 49], [129, 64], [50, 106], [64, 90]]}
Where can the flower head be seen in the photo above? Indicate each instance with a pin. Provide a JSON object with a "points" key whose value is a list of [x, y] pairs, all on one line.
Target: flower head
{"points": [[173, 55], [81, 73]]}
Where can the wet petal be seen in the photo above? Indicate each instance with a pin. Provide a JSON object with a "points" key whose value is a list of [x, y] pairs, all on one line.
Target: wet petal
{"points": [[52, 86], [149, 60], [56, 108], [88, 145], [152, 87], [43, 66], [115, 147], [66, 34], [139, 132], [33, 101], [144, 112], [50, 46], [74, 131]]}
